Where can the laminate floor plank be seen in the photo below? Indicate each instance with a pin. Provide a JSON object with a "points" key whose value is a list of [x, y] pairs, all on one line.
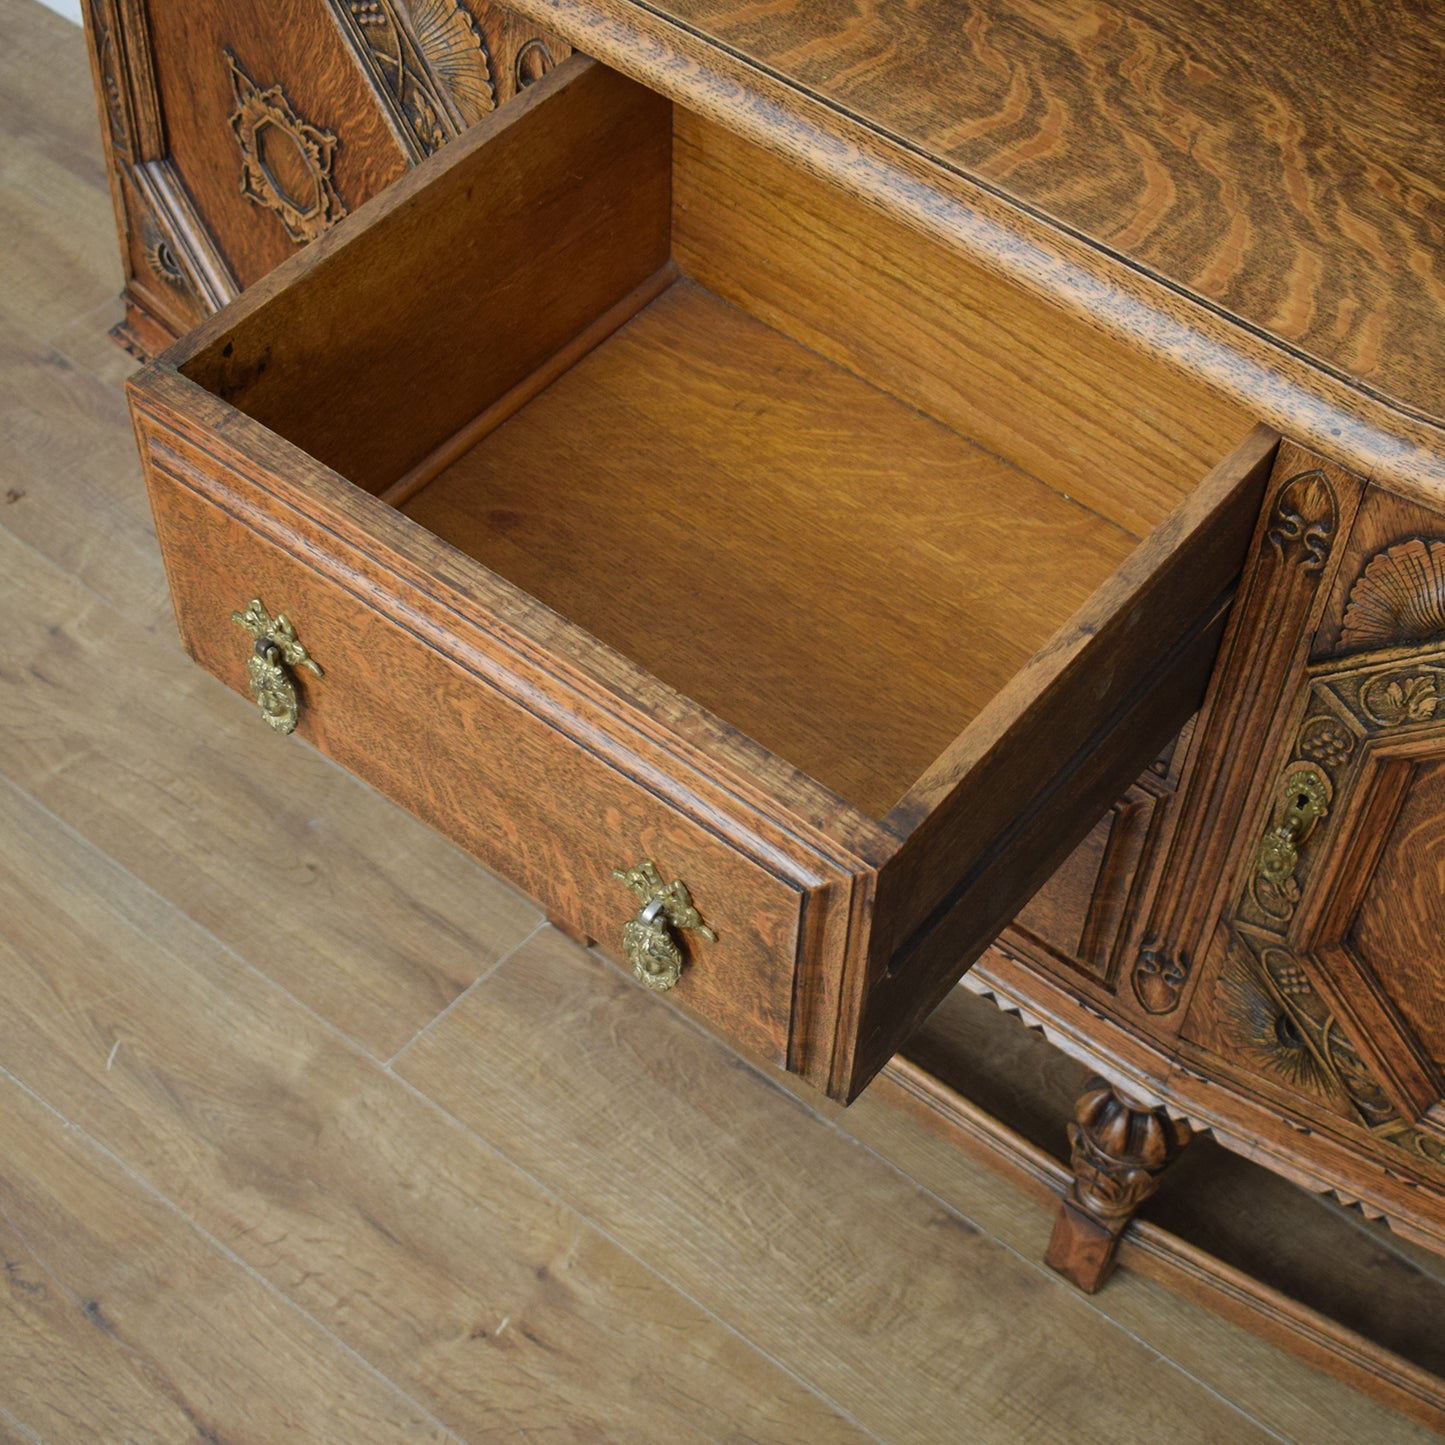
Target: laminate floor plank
{"points": [[888, 1303], [48, 98], [459, 1279], [57, 227], [87, 343], [121, 1322], [70, 480], [364, 913], [12, 1432], [1264, 1381]]}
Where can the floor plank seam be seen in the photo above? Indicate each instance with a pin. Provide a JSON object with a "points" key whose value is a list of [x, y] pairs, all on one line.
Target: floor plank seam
{"points": [[1056, 1281], [70, 576], [6, 1418], [228, 949], [222, 1249], [480, 979], [606, 1234], [837, 1125], [356, 1048]]}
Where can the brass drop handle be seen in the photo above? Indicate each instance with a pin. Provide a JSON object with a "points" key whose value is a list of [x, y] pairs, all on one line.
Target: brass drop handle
{"points": [[276, 648], [1306, 801], [651, 949]]}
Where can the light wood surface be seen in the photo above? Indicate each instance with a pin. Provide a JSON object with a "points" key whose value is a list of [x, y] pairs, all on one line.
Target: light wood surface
{"points": [[1265, 161], [842, 579], [1393, 436], [1092, 418], [227, 1217]]}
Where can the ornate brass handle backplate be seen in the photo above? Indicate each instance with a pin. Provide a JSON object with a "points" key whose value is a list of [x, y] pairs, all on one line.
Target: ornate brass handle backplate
{"points": [[277, 648], [650, 948], [1306, 801]]}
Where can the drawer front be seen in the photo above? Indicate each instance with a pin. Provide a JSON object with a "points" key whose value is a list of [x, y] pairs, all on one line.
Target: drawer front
{"points": [[441, 732], [411, 339]]}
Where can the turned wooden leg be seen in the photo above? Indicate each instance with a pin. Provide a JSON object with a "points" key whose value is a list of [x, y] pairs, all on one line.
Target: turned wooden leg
{"points": [[1121, 1149]]}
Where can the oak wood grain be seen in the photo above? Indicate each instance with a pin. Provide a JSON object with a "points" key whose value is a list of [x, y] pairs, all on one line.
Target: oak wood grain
{"points": [[382, 356], [1164, 600], [311, 63], [1261, 161], [843, 580], [947, 892], [189, 778], [1398, 926], [1092, 418], [1372, 432]]}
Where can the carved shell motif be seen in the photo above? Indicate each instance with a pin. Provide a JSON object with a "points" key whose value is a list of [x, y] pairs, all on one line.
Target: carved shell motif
{"points": [[447, 36], [1399, 597]]}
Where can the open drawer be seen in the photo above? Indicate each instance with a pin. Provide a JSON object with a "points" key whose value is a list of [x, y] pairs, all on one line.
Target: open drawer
{"points": [[616, 540]]}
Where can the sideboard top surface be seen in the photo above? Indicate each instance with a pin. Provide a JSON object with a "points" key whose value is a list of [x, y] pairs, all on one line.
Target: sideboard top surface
{"points": [[1263, 186]]}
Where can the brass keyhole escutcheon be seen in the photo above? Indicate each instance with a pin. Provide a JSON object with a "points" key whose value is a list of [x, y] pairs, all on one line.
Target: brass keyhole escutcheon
{"points": [[1306, 800], [647, 941], [277, 648]]}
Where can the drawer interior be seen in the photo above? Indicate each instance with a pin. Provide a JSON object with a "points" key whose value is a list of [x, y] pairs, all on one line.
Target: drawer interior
{"points": [[810, 469]]}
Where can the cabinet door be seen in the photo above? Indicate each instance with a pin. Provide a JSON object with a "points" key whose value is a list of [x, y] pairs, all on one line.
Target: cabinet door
{"points": [[1345, 893]]}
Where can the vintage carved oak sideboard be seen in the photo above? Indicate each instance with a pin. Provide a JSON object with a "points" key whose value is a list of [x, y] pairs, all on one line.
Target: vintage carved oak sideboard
{"points": [[862, 498]]}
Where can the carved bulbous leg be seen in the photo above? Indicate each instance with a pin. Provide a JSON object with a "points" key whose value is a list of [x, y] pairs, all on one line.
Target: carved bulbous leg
{"points": [[1121, 1149]]}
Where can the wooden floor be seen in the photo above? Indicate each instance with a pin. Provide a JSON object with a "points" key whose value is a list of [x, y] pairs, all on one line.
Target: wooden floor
{"points": [[312, 1130]]}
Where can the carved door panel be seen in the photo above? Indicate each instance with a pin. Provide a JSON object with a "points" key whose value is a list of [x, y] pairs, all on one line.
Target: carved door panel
{"points": [[238, 131], [1322, 993], [1345, 895]]}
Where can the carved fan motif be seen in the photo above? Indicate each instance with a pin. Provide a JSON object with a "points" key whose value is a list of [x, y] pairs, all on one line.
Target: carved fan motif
{"points": [[454, 52], [1399, 597], [1285, 1028]]}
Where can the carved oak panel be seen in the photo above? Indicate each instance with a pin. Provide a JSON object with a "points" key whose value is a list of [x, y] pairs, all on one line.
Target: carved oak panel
{"points": [[236, 132], [1331, 983]]}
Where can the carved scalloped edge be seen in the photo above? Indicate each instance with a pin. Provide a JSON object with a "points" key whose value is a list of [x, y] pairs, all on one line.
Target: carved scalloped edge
{"points": [[1229, 1137], [1399, 597], [1136, 1089]]}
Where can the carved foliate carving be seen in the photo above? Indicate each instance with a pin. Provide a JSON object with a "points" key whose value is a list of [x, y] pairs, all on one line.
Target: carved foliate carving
{"points": [[110, 82], [1400, 697], [1302, 524], [1285, 1029], [1349, 704], [1399, 597], [1306, 517], [285, 161], [429, 62], [1356, 711]]}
